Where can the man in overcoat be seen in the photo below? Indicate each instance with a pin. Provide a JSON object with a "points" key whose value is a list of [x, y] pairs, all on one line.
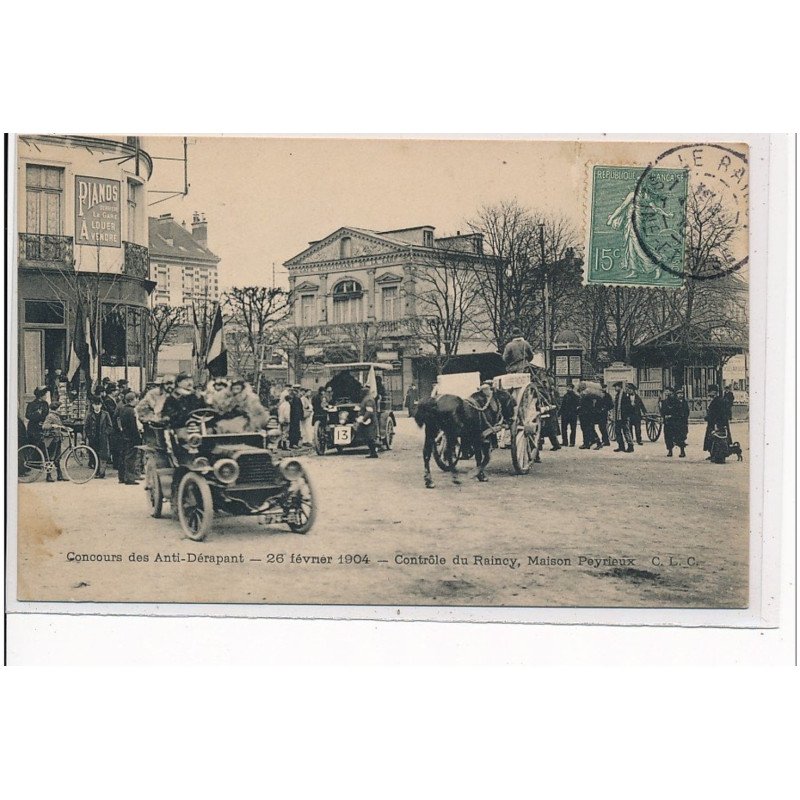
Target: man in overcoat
{"points": [[97, 432], [621, 406], [368, 421], [569, 415], [638, 411], [131, 439], [716, 417]]}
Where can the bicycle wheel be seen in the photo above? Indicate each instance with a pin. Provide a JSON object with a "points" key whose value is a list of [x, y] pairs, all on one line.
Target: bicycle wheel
{"points": [[80, 464], [30, 463]]}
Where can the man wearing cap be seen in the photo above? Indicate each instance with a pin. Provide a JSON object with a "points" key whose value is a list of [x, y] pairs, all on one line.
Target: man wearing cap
{"points": [[682, 428], [638, 411], [130, 440], [179, 405], [621, 406], [368, 421], [716, 417], [518, 353], [569, 415]]}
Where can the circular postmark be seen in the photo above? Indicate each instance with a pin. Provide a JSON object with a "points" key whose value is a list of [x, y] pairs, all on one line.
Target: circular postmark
{"points": [[706, 186]]}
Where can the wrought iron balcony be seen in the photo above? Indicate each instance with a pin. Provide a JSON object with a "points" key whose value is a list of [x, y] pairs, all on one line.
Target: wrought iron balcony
{"points": [[137, 260], [46, 250]]}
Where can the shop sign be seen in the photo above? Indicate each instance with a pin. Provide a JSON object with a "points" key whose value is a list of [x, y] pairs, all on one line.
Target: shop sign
{"points": [[97, 212]]}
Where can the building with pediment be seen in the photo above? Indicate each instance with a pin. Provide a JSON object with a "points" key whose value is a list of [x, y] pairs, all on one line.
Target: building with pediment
{"points": [[356, 293]]}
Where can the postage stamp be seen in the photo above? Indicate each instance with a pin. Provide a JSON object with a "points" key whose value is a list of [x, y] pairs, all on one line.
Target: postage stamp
{"points": [[638, 226]]}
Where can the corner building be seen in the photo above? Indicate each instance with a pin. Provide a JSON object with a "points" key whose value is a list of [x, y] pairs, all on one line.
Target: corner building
{"points": [[82, 243]]}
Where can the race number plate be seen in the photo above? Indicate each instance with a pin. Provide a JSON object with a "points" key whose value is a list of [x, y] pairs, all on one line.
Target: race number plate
{"points": [[342, 434]]}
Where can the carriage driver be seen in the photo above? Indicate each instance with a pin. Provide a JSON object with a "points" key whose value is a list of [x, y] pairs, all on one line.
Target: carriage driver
{"points": [[518, 353]]}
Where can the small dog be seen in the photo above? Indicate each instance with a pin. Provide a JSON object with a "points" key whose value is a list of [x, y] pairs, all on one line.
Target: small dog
{"points": [[736, 449]]}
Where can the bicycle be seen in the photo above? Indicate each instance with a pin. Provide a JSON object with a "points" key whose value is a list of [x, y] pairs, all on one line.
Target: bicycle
{"points": [[79, 462]]}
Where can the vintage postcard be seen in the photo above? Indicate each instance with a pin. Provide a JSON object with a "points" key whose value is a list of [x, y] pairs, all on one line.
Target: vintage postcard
{"points": [[444, 373]]}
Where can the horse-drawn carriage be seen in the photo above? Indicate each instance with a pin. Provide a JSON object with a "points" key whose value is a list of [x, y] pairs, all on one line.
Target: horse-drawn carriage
{"points": [[514, 413], [201, 472], [653, 423], [339, 429]]}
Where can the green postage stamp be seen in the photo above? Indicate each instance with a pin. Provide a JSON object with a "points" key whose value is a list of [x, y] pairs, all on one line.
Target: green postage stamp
{"points": [[637, 234]]}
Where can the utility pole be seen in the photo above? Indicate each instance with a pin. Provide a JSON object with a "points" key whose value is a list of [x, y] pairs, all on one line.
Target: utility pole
{"points": [[545, 299]]}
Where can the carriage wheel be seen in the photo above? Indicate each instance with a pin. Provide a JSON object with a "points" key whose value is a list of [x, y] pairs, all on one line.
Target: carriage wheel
{"points": [[152, 485], [438, 452], [653, 426], [611, 430], [195, 506], [525, 431], [30, 463]]}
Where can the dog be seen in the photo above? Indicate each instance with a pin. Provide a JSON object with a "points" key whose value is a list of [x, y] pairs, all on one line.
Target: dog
{"points": [[736, 449]]}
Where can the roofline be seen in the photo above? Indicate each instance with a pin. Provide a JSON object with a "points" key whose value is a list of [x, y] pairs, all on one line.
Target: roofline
{"points": [[96, 142], [359, 364], [412, 228]]}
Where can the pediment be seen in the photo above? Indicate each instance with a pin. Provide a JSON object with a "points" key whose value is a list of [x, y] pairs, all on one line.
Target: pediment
{"points": [[362, 243], [389, 277], [306, 286]]}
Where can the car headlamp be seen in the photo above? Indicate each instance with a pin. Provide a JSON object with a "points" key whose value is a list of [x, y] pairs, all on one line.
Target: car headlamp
{"points": [[226, 470]]}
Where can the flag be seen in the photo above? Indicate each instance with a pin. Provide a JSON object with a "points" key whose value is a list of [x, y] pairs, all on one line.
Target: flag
{"points": [[91, 352], [217, 354], [79, 352], [197, 345], [372, 383]]}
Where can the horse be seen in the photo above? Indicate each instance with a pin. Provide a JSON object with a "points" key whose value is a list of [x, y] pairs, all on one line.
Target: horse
{"points": [[473, 422]]}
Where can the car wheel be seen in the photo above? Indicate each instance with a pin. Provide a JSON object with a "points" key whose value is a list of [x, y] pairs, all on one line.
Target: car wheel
{"points": [[320, 439], [152, 485], [389, 436], [195, 506]]}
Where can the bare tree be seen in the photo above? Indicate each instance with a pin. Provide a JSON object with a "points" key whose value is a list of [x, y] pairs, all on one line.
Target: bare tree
{"points": [[448, 301], [163, 319], [255, 311], [294, 339], [361, 338]]}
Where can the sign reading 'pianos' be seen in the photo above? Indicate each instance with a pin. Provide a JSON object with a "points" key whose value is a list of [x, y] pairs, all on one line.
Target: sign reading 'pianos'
{"points": [[97, 212]]}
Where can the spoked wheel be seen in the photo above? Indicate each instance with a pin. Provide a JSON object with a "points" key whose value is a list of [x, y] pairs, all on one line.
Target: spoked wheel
{"points": [[301, 506], [525, 432], [195, 506], [611, 430], [152, 487], [30, 463], [320, 439], [81, 464], [653, 427], [438, 452], [389, 435]]}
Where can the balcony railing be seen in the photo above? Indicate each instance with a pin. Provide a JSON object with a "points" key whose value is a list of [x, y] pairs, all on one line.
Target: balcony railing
{"points": [[137, 260], [45, 249]]}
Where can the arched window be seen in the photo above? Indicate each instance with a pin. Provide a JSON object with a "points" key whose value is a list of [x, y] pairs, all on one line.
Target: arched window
{"points": [[347, 301], [345, 247]]}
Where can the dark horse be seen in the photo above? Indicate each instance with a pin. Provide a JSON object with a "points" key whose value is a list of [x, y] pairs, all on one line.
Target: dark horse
{"points": [[472, 423]]}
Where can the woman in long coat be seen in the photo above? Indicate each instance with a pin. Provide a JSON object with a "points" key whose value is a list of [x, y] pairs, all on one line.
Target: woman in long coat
{"points": [[97, 431]]}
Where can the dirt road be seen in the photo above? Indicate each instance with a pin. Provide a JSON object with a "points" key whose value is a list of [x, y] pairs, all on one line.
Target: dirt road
{"points": [[585, 528]]}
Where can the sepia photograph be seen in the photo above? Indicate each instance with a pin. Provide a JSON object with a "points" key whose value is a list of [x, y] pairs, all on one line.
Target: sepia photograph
{"points": [[492, 373]]}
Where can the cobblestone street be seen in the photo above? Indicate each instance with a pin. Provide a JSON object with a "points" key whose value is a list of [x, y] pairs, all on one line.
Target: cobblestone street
{"points": [[585, 528]]}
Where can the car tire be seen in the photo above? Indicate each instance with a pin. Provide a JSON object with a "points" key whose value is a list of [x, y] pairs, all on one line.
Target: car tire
{"points": [[153, 490], [195, 506]]}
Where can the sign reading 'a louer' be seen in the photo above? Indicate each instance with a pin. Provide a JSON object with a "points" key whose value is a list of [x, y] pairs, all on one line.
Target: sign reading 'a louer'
{"points": [[97, 212]]}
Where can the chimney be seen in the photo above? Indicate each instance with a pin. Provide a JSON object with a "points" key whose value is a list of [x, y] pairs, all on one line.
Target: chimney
{"points": [[200, 229]]}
